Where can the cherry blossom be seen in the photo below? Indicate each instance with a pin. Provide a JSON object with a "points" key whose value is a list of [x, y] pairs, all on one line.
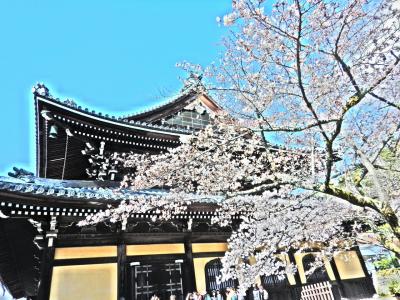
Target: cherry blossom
{"points": [[308, 153]]}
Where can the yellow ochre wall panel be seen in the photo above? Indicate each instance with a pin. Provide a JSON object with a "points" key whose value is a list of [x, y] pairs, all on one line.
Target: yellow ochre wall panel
{"points": [[209, 247], [299, 262], [290, 277], [89, 282], [85, 252], [349, 265], [153, 249], [199, 271]]}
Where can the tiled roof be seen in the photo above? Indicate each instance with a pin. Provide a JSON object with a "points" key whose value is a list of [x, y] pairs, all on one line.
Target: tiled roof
{"points": [[78, 189], [167, 102], [192, 86]]}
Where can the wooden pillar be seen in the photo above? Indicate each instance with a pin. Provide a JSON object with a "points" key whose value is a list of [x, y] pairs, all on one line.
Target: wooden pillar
{"points": [[293, 261], [46, 272], [189, 275], [122, 272], [338, 280], [335, 269]]}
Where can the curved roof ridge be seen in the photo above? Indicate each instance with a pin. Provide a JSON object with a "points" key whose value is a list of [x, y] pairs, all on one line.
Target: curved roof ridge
{"points": [[40, 90], [166, 101], [192, 87]]}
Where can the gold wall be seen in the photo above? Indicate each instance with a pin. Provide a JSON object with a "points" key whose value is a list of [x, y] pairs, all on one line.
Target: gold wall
{"points": [[348, 265], [199, 271], [200, 262], [209, 247], [155, 249], [89, 282], [99, 281], [85, 252]]}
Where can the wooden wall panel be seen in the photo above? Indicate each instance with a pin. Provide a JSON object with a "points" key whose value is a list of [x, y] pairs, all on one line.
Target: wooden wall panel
{"points": [[209, 247], [85, 252], [97, 281], [154, 249]]}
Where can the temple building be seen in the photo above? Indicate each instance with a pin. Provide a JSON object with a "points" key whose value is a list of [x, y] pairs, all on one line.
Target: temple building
{"points": [[45, 255]]}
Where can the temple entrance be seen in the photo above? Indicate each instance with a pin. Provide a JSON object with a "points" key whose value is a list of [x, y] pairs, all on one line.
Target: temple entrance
{"points": [[161, 278]]}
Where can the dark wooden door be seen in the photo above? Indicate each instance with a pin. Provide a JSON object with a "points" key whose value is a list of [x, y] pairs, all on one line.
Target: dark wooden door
{"points": [[213, 274], [161, 278]]}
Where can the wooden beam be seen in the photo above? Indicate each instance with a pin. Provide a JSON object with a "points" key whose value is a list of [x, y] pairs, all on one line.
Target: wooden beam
{"points": [[188, 274], [98, 239], [122, 273], [46, 272], [293, 261], [337, 277], [335, 269]]}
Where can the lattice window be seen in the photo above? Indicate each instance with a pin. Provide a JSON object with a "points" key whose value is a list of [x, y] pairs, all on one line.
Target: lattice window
{"points": [[191, 119], [164, 279]]}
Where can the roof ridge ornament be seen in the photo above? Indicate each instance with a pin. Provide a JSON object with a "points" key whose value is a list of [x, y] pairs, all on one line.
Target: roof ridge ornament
{"points": [[40, 89], [193, 83], [23, 174], [71, 103]]}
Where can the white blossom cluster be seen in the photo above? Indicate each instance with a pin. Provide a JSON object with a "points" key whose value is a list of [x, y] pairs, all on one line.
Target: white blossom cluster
{"points": [[161, 205], [279, 222], [232, 166], [224, 159]]}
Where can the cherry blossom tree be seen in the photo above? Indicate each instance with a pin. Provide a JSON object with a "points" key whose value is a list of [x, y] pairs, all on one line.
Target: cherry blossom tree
{"points": [[322, 75], [308, 153]]}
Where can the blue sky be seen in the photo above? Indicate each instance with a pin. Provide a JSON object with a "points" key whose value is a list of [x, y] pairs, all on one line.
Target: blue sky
{"points": [[111, 56]]}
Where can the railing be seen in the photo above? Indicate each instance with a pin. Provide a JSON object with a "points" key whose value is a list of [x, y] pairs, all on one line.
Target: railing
{"points": [[317, 291]]}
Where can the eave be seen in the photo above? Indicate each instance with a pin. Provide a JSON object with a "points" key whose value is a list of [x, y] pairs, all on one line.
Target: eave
{"points": [[61, 198], [85, 127]]}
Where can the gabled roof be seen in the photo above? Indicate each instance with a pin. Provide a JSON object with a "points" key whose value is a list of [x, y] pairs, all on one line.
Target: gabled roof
{"points": [[174, 105], [192, 91], [61, 157]]}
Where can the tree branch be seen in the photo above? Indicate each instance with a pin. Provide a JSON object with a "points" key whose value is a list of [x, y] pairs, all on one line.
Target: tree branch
{"points": [[381, 207], [299, 73], [385, 100], [299, 129]]}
